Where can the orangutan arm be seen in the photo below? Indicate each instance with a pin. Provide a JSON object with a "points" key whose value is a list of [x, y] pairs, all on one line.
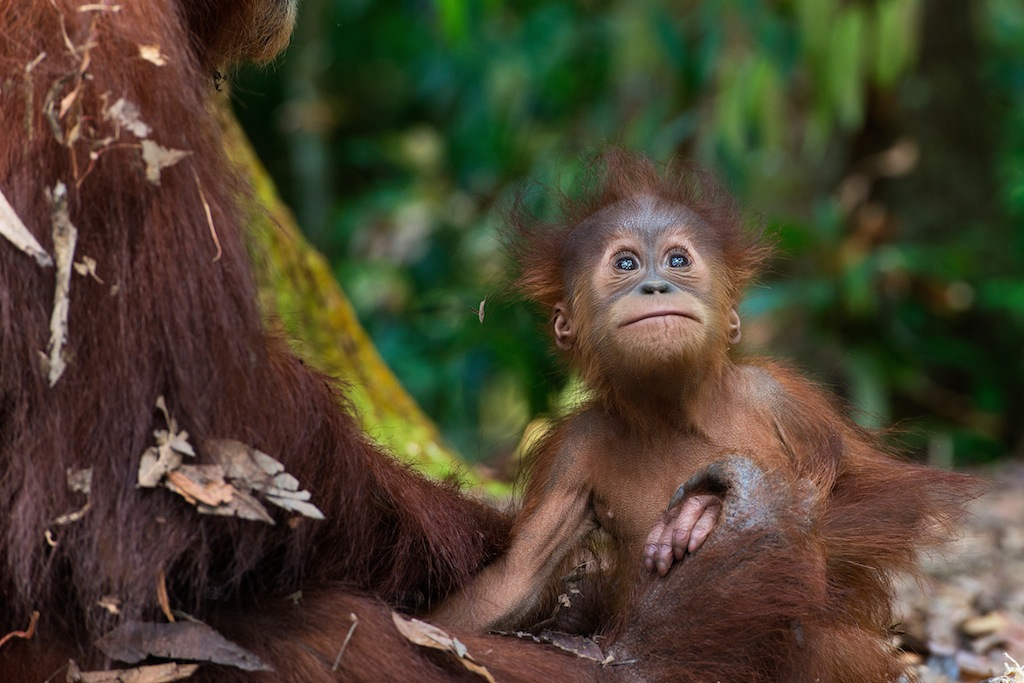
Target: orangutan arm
{"points": [[556, 515]]}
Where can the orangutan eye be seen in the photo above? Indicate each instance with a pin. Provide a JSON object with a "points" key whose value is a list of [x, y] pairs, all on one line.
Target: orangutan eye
{"points": [[627, 263], [679, 260]]}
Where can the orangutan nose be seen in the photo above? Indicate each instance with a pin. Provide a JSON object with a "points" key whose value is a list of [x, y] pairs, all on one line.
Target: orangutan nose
{"points": [[655, 287]]}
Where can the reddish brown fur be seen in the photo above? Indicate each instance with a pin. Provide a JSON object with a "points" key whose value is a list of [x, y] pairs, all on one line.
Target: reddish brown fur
{"points": [[616, 176], [805, 594], [169, 319]]}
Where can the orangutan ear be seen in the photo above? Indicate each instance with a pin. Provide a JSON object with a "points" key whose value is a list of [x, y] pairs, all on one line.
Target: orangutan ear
{"points": [[564, 334], [734, 327]]}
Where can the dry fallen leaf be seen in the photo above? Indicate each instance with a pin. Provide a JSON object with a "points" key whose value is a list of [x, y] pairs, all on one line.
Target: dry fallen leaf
{"points": [[427, 635], [580, 646], [156, 673], [165, 457], [250, 468], [243, 505], [111, 603], [158, 158], [87, 267], [301, 507], [200, 483], [68, 101], [17, 234], [224, 487], [133, 641], [151, 53], [204, 486]]}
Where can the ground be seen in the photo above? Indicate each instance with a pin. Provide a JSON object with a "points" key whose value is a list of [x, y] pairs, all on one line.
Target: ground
{"points": [[967, 620]]}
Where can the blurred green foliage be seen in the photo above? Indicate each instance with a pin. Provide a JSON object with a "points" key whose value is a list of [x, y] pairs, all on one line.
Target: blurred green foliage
{"points": [[882, 141]]}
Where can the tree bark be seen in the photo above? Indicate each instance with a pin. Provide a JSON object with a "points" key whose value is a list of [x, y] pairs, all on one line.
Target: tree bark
{"points": [[301, 297]]}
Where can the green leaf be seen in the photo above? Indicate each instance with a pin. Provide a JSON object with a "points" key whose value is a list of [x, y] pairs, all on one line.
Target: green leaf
{"points": [[846, 66], [453, 15], [896, 29]]}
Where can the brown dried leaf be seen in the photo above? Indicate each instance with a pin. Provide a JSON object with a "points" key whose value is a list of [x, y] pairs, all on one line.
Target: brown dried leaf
{"points": [[166, 456], [161, 405], [251, 469], [12, 228], [580, 646], [176, 441], [204, 486], [200, 483], [240, 462], [151, 53], [69, 100], [427, 635], [133, 641], [243, 505], [111, 603], [983, 625], [158, 158], [87, 267], [303, 508], [286, 486], [156, 673], [155, 463]]}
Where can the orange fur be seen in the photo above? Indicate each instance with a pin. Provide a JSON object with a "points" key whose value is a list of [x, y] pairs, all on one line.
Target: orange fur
{"points": [[816, 514]]}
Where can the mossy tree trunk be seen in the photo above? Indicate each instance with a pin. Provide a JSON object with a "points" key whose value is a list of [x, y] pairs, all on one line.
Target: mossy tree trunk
{"points": [[301, 296]]}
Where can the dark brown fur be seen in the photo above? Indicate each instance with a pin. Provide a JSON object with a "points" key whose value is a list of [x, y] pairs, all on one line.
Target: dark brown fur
{"points": [[170, 319]]}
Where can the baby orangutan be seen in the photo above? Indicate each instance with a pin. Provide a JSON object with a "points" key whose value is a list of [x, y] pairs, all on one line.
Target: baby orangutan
{"points": [[643, 280]]}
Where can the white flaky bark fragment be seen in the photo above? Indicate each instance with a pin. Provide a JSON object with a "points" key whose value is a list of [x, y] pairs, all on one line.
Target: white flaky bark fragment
{"points": [[158, 158], [12, 228], [127, 115], [65, 235]]}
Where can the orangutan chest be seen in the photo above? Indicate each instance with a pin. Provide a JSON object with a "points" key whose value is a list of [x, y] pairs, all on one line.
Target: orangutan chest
{"points": [[632, 487]]}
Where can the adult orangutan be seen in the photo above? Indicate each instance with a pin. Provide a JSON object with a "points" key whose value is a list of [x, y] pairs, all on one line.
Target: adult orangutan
{"points": [[112, 373], [643, 279], [111, 157]]}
